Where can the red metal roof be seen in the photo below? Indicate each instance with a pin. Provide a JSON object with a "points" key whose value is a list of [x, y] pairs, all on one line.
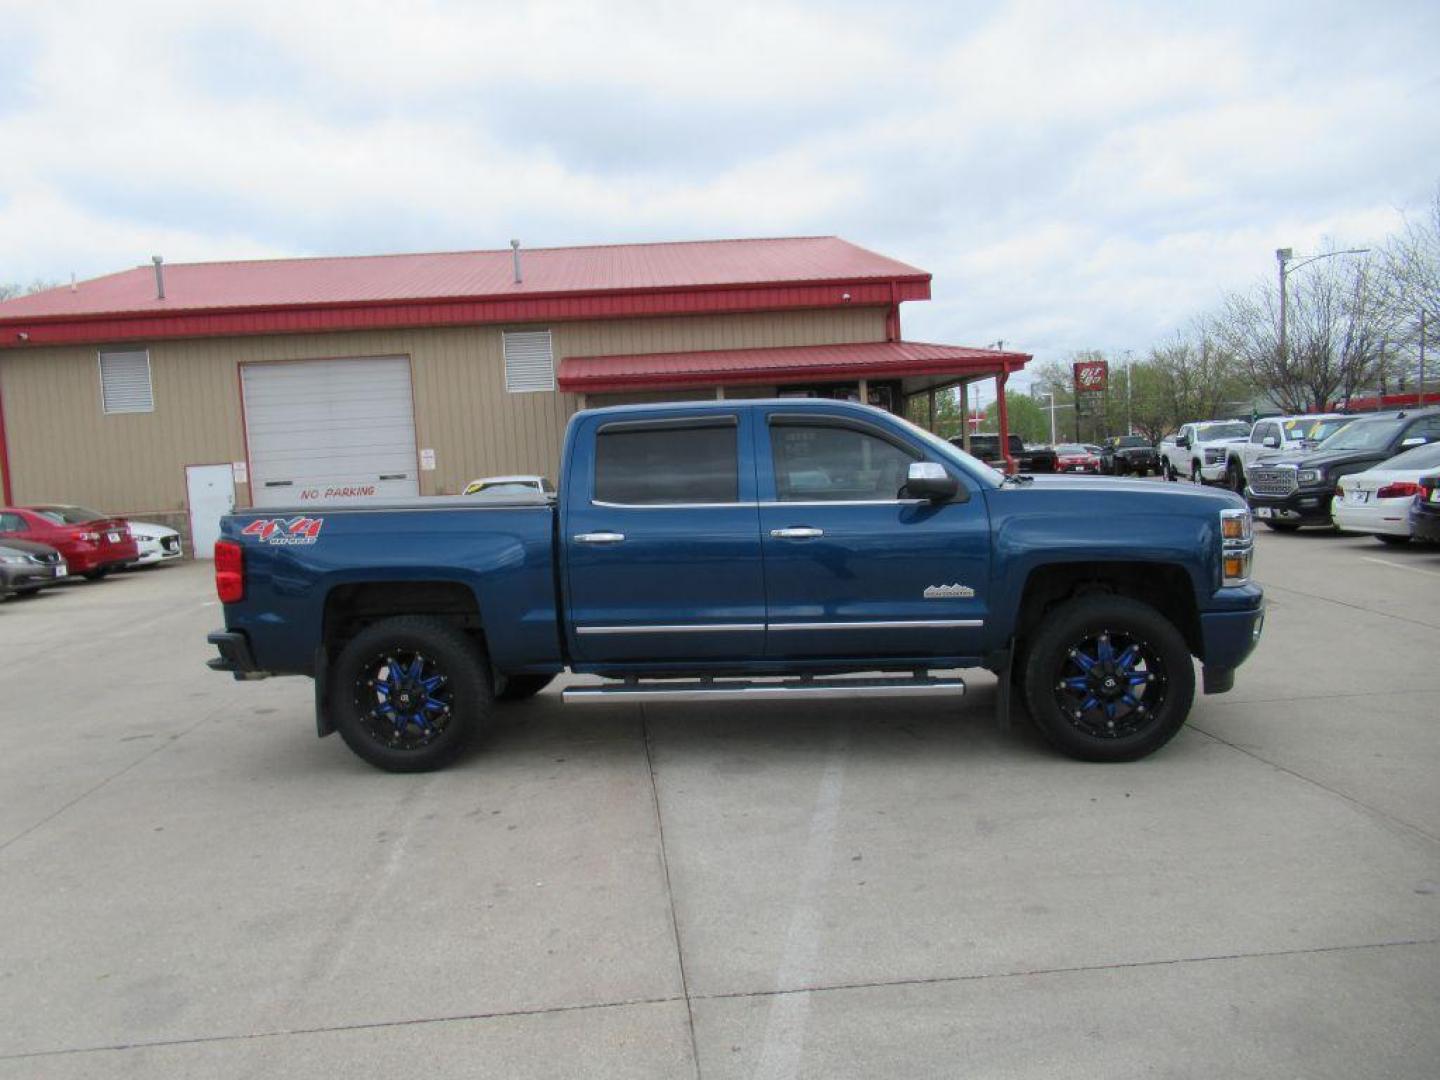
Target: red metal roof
{"points": [[877, 359], [469, 275]]}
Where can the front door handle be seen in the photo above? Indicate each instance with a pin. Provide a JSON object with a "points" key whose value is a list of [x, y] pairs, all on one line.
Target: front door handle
{"points": [[599, 538], [797, 532]]}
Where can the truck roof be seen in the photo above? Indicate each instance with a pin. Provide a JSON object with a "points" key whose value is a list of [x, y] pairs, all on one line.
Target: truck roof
{"points": [[729, 404]]}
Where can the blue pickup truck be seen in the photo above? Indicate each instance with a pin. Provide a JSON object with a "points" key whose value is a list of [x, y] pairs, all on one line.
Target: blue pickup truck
{"points": [[757, 550]]}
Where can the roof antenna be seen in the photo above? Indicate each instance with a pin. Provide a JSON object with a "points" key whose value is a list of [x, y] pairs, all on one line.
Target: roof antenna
{"points": [[159, 262], [515, 258]]}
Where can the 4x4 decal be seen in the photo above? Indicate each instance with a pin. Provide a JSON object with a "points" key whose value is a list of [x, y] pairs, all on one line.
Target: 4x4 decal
{"points": [[298, 530]]}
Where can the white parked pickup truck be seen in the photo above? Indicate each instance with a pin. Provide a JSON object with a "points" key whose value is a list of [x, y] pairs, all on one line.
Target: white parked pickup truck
{"points": [[1199, 449], [1278, 434]]}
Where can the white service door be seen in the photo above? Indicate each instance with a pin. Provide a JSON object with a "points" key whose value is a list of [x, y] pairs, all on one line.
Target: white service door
{"points": [[210, 495], [320, 430]]}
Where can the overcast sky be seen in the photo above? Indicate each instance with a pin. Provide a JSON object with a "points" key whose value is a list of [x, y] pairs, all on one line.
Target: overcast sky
{"points": [[1074, 175]]}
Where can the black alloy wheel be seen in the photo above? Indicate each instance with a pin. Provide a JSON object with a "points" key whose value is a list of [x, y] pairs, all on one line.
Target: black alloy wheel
{"points": [[1108, 679], [409, 692]]}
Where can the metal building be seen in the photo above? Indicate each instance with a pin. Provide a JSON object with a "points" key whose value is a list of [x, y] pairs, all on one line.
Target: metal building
{"points": [[172, 391]]}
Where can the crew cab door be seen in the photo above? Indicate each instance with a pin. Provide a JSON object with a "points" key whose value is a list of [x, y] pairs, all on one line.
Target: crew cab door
{"points": [[661, 539], [853, 568]]}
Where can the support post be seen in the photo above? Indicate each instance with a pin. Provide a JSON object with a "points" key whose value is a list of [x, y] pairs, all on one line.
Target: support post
{"points": [[931, 413], [1004, 415], [864, 391], [964, 389], [719, 393]]}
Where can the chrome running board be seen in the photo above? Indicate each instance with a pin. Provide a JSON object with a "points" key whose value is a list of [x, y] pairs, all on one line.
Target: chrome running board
{"points": [[787, 690]]}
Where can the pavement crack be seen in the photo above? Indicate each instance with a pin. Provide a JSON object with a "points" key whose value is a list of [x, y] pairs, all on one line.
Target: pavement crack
{"points": [[280, 1033], [940, 980], [669, 891], [1409, 826]]}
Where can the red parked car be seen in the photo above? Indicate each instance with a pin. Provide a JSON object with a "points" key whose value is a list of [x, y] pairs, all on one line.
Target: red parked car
{"points": [[92, 543], [1074, 458]]}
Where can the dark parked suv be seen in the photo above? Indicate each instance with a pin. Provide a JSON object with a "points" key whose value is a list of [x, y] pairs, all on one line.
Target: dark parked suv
{"points": [[1287, 491], [1129, 454]]}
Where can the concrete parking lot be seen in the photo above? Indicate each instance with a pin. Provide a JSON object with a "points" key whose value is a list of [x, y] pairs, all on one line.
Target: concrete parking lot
{"points": [[193, 885]]}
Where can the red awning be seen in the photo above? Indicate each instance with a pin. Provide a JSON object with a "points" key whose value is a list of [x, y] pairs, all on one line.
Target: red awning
{"points": [[800, 363]]}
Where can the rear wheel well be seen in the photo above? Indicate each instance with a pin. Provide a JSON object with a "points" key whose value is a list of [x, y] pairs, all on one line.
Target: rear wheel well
{"points": [[1164, 586], [351, 608]]}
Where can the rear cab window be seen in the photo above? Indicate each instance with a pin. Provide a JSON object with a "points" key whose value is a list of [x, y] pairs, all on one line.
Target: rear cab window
{"points": [[668, 462]]}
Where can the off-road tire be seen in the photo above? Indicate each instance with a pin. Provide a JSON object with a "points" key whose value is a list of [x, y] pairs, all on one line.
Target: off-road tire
{"points": [[463, 664], [1049, 657]]}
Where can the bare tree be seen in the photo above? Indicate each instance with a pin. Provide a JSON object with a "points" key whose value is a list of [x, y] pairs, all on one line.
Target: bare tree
{"points": [[1336, 330], [1410, 289], [11, 289]]}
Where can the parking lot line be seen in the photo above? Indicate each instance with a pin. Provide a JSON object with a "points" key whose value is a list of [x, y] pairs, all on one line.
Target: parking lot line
{"points": [[1400, 566]]}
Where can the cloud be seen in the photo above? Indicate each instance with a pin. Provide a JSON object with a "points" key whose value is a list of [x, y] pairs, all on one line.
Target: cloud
{"points": [[1074, 177]]}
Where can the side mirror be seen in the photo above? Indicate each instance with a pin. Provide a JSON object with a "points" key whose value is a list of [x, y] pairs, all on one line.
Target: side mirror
{"points": [[1413, 440], [1183, 442], [1270, 441], [929, 480]]}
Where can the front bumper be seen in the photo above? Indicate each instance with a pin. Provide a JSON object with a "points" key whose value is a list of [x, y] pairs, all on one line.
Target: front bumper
{"points": [[235, 655], [31, 576], [1304, 506], [156, 551], [1214, 473], [1227, 638]]}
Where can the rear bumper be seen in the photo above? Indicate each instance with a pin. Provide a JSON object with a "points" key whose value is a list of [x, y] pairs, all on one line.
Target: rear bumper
{"points": [[1388, 516], [235, 655]]}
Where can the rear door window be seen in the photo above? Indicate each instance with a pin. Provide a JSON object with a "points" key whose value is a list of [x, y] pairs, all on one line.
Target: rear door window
{"points": [[662, 464]]}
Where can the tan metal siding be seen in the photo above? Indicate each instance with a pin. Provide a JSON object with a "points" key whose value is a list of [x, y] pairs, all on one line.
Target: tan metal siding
{"points": [[64, 448]]}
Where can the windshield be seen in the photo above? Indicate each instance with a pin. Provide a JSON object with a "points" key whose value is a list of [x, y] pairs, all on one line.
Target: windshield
{"points": [[1420, 458], [947, 452], [1071, 449], [1321, 430], [1364, 435], [68, 515], [503, 487], [1131, 440], [1211, 432]]}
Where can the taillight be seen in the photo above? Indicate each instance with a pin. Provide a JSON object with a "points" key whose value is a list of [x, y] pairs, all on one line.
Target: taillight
{"points": [[88, 537], [229, 571], [1403, 490]]}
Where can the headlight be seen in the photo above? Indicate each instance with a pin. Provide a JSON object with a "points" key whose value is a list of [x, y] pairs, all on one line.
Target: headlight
{"points": [[1310, 476], [14, 560], [1237, 546]]}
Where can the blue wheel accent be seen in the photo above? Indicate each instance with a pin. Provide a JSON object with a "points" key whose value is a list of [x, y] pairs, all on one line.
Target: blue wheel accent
{"points": [[1110, 685], [405, 699]]}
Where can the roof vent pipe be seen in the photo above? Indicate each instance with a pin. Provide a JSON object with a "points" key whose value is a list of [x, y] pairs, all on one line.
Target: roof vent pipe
{"points": [[515, 258], [159, 276]]}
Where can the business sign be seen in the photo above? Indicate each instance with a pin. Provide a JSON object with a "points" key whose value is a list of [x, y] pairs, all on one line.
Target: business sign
{"points": [[1091, 376]]}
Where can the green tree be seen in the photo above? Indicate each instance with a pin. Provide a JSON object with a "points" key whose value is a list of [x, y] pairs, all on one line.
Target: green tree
{"points": [[1027, 417], [949, 416]]}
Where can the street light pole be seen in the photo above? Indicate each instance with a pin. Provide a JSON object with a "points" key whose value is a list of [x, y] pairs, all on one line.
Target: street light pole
{"points": [[1282, 256], [1285, 256]]}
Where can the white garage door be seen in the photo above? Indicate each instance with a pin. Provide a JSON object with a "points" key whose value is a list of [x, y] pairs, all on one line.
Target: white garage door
{"points": [[320, 430]]}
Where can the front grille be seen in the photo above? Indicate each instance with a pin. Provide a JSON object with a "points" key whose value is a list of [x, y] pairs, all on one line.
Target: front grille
{"points": [[48, 558], [170, 543], [1272, 481]]}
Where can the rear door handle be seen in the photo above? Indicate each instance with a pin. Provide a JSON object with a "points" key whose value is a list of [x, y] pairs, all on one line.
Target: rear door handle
{"points": [[599, 538], [797, 532]]}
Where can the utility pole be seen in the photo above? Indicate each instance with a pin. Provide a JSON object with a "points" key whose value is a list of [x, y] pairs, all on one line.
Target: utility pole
{"points": [[1420, 374], [1129, 394]]}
